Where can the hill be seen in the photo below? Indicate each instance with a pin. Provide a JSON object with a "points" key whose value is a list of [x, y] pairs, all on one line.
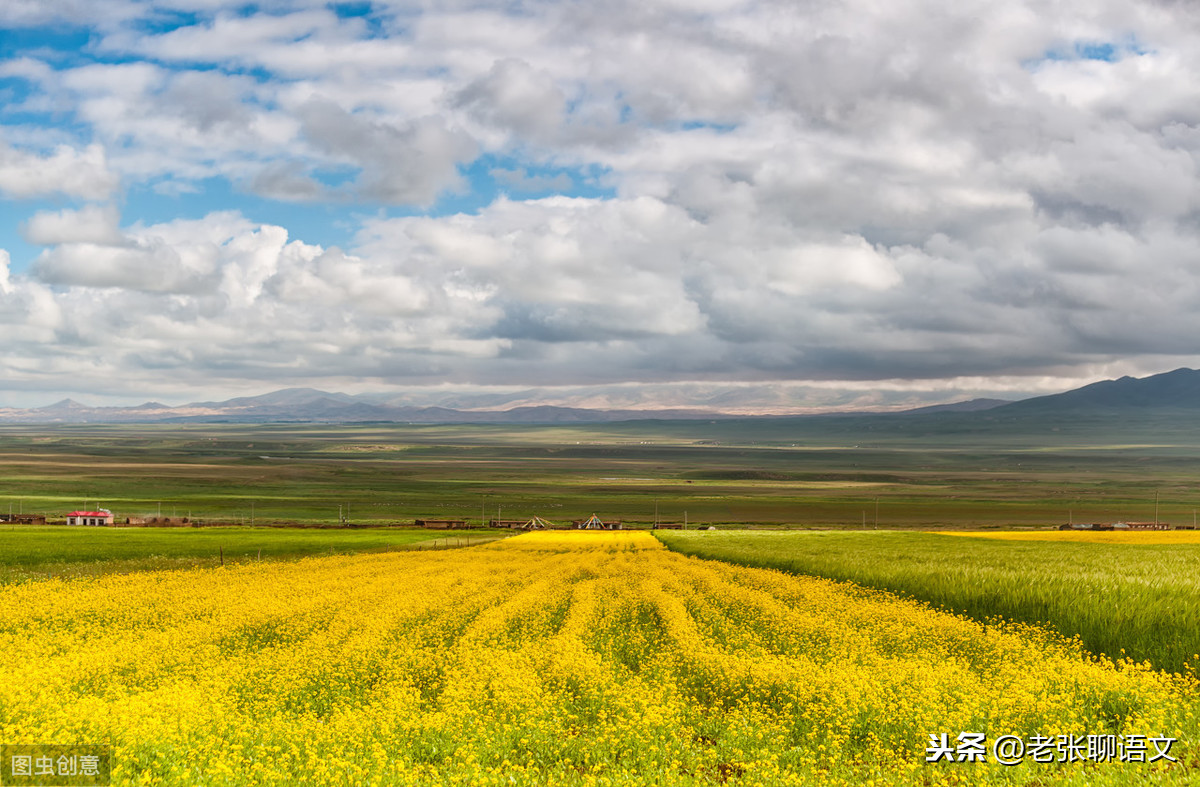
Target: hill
{"points": [[1175, 390], [1172, 397]]}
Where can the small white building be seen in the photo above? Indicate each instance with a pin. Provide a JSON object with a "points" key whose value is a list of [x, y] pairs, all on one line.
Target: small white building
{"points": [[101, 517]]}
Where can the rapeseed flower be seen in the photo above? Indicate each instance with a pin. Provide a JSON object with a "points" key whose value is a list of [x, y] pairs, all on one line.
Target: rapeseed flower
{"points": [[550, 658]]}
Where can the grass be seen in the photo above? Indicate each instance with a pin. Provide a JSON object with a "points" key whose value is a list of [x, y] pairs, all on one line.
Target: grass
{"points": [[33, 552], [1135, 600], [819, 472]]}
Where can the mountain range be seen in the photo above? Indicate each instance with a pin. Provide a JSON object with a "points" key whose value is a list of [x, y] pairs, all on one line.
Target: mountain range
{"points": [[312, 405], [1176, 390]]}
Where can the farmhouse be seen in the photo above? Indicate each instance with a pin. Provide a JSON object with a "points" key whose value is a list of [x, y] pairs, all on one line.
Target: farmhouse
{"points": [[23, 519], [442, 524], [101, 517]]}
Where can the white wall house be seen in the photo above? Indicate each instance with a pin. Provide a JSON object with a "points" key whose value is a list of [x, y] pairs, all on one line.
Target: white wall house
{"points": [[101, 517]]}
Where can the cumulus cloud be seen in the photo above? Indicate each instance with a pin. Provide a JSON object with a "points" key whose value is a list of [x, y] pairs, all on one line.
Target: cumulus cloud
{"points": [[96, 224], [406, 163], [515, 96], [286, 180], [28, 13], [67, 170], [854, 191], [183, 257]]}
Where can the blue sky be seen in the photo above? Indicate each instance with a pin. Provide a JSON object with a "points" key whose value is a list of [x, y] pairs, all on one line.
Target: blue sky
{"points": [[64, 47], [788, 206]]}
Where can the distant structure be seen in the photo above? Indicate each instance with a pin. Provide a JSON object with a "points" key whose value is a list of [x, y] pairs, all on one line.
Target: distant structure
{"points": [[442, 524], [594, 523], [1123, 526], [22, 519], [100, 518]]}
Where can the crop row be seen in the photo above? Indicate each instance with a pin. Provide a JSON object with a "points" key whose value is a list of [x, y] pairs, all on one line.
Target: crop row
{"points": [[573, 658]]}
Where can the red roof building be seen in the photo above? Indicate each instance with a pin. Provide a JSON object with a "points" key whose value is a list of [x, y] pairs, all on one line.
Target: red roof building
{"points": [[101, 517]]}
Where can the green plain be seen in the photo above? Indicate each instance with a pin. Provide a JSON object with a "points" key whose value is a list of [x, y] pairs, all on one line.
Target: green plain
{"points": [[1122, 600], [830, 473], [897, 472], [35, 552]]}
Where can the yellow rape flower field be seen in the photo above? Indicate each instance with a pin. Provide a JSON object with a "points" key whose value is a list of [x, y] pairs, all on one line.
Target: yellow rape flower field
{"points": [[556, 658]]}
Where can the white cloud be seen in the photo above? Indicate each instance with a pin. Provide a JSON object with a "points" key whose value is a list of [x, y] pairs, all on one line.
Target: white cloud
{"points": [[803, 191], [228, 36], [408, 163], [70, 171], [96, 224], [5, 260], [515, 96], [852, 261], [28, 13]]}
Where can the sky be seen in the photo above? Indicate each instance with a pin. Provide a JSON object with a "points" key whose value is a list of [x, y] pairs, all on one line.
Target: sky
{"points": [[772, 205]]}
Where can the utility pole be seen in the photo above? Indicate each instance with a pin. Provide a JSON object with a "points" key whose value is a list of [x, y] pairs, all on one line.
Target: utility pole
{"points": [[877, 513], [1156, 508]]}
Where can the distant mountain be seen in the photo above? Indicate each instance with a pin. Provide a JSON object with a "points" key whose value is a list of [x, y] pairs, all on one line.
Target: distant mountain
{"points": [[65, 406], [1177, 390], [970, 406], [310, 404], [287, 397], [1172, 391]]}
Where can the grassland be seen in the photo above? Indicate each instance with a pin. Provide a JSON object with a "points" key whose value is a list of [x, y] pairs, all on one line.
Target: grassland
{"points": [[1088, 536], [546, 659], [1137, 598], [835, 472], [558, 658], [32, 552]]}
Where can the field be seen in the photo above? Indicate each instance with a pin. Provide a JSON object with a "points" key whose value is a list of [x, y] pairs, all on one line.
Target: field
{"points": [[906, 472], [571, 658], [32, 552], [1131, 537], [277, 655], [1126, 595]]}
